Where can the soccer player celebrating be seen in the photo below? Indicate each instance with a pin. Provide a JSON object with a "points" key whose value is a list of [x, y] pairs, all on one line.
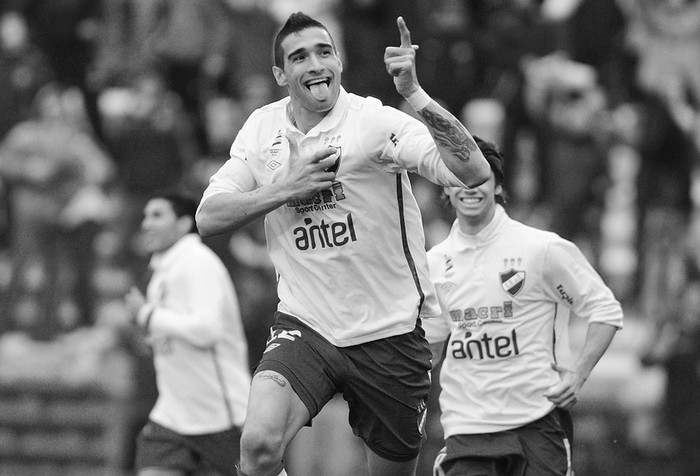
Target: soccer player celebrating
{"points": [[508, 381], [329, 171]]}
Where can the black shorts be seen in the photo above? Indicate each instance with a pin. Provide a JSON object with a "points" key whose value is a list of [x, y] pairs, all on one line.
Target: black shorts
{"points": [[385, 382], [540, 448], [158, 447]]}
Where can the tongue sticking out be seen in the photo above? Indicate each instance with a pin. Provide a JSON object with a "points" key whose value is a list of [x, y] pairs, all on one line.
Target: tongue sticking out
{"points": [[319, 90]]}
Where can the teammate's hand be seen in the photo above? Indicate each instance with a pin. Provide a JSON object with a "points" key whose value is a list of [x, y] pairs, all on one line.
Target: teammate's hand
{"points": [[400, 62], [312, 174], [565, 393], [134, 299]]}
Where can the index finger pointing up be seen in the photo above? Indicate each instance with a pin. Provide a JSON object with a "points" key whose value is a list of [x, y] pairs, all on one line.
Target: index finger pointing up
{"points": [[403, 31]]}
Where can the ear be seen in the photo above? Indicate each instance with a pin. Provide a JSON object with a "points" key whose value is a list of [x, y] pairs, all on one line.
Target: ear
{"points": [[498, 190], [279, 75]]}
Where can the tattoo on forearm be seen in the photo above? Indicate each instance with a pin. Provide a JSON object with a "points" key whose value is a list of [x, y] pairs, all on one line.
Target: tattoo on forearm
{"points": [[274, 377], [450, 134]]}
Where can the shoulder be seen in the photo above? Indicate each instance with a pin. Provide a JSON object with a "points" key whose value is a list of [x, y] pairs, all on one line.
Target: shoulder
{"points": [[522, 231], [373, 107], [268, 114], [437, 253]]}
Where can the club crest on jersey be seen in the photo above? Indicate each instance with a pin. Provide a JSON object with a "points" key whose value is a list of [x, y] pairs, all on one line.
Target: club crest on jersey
{"points": [[512, 281], [334, 168]]}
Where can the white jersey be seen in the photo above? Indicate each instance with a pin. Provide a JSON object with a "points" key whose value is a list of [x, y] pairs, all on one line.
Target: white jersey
{"points": [[507, 293], [351, 260], [199, 348]]}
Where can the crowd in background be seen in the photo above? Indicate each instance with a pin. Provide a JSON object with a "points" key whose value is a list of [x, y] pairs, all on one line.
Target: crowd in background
{"points": [[594, 103]]}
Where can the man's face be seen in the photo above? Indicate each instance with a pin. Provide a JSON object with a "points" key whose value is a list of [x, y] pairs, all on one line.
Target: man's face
{"points": [[477, 205], [160, 227], [311, 70]]}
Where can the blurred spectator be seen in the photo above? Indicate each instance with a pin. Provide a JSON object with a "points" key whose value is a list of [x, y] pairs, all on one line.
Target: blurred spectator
{"points": [[569, 106], [56, 173], [67, 32], [24, 69], [224, 114], [663, 197], [365, 35], [251, 28], [675, 345], [149, 134], [190, 39], [664, 37]]}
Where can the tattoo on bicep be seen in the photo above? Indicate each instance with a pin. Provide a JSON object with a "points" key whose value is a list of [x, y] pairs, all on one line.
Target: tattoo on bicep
{"points": [[274, 377], [450, 134]]}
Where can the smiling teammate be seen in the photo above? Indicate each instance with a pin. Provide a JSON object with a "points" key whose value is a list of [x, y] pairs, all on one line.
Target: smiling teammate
{"points": [[507, 290], [329, 171], [200, 352]]}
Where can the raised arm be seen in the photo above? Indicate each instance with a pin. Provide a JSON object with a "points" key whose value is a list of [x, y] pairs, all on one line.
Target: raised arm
{"points": [[230, 210], [456, 145]]}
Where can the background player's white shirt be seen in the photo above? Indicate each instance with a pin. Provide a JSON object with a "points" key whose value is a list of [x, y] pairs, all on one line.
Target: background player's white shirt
{"points": [[351, 260], [199, 348], [507, 293]]}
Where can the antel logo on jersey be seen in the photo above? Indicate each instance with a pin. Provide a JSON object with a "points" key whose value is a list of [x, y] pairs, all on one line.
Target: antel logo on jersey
{"points": [[485, 347], [324, 235]]}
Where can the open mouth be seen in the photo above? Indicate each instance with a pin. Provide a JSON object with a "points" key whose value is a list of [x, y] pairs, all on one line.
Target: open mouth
{"points": [[470, 200], [319, 87]]}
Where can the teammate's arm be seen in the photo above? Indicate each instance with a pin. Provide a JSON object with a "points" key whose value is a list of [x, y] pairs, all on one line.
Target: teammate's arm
{"points": [[456, 145], [598, 338]]}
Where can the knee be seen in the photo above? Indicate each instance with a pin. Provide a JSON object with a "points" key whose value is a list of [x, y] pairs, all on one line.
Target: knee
{"points": [[261, 451]]}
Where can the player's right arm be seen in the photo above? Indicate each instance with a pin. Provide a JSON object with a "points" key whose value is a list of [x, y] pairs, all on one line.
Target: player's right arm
{"points": [[232, 200]]}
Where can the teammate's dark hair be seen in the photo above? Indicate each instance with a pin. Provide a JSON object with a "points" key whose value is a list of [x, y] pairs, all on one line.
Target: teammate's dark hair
{"points": [[295, 23], [183, 204]]}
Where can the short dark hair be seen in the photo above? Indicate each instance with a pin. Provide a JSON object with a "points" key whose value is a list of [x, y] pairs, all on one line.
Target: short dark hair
{"points": [[295, 23], [493, 157], [183, 204]]}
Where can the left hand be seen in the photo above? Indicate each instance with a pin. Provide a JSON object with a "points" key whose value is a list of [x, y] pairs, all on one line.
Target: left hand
{"points": [[400, 62], [565, 394], [134, 300]]}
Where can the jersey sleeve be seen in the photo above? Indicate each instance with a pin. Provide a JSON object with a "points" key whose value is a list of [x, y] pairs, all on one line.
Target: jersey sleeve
{"points": [[436, 328], [193, 314], [570, 279], [236, 174], [405, 143]]}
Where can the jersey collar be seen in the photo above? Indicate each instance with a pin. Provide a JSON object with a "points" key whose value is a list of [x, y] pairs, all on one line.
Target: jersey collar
{"points": [[331, 120], [462, 241]]}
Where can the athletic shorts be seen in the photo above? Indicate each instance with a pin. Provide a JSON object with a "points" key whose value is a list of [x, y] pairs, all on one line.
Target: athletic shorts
{"points": [[385, 382], [158, 447], [540, 448]]}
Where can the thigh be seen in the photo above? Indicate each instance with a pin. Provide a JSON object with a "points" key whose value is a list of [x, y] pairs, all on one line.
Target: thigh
{"points": [[294, 379], [387, 394]]}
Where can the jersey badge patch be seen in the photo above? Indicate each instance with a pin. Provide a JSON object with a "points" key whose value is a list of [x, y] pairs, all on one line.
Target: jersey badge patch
{"points": [[512, 281]]}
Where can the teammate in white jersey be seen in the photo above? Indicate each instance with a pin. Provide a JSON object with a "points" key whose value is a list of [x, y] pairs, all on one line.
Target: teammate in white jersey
{"points": [[508, 379], [329, 171], [200, 351]]}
